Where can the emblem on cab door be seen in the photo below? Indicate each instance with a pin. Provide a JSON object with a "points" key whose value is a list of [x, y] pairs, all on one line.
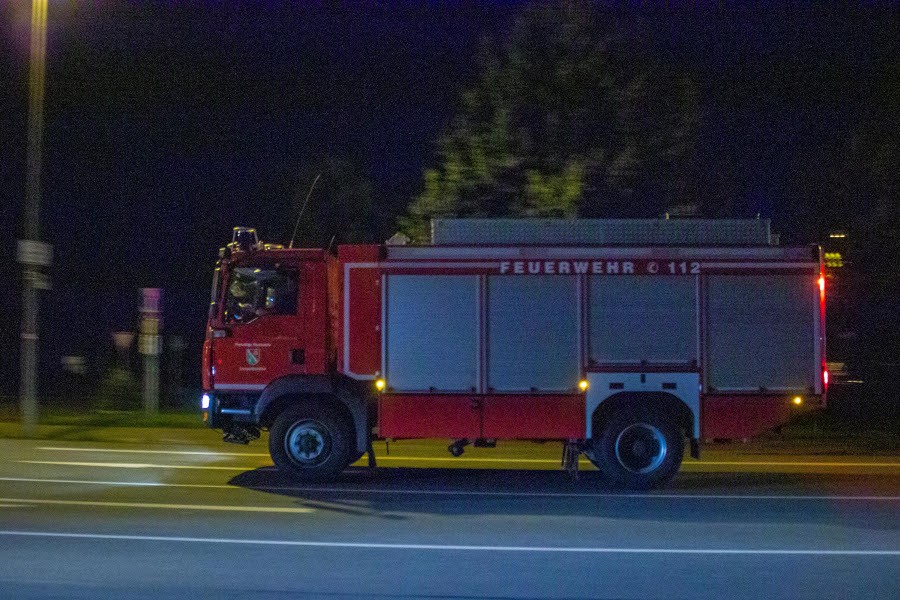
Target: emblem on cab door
{"points": [[252, 356]]}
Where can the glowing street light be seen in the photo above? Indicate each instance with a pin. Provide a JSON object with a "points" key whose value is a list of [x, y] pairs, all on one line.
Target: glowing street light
{"points": [[33, 254]]}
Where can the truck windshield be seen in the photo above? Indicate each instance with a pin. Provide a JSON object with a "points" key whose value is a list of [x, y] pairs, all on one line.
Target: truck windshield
{"points": [[257, 291]]}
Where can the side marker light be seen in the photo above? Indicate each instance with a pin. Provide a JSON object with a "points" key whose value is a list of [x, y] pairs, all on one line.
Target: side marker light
{"points": [[583, 385], [380, 385]]}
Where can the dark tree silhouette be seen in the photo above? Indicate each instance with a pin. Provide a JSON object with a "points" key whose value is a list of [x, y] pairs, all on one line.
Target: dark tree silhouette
{"points": [[566, 118]]}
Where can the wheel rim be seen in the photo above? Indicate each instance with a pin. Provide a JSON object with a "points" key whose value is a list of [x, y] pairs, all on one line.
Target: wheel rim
{"points": [[308, 443], [641, 448]]}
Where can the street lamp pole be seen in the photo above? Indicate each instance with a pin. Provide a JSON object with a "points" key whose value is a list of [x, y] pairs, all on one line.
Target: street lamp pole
{"points": [[32, 253]]}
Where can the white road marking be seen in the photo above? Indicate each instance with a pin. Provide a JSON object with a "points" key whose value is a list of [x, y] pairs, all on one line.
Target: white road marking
{"points": [[454, 547], [688, 467], [166, 506], [413, 492], [135, 451], [726, 463], [130, 465], [118, 483]]}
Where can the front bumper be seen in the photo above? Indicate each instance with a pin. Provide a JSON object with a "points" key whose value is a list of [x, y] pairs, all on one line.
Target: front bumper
{"points": [[219, 410]]}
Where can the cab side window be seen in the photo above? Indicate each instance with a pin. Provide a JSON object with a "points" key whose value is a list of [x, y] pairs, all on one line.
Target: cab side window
{"points": [[255, 292]]}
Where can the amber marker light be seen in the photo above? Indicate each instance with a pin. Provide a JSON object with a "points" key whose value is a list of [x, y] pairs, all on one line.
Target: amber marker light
{"points": [[797, 400], [380, 384], [583, 385]]}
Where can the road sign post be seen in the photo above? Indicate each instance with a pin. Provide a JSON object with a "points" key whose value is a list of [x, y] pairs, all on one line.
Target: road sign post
{"points": [[32, 277], [33, 255], [150, 346]]}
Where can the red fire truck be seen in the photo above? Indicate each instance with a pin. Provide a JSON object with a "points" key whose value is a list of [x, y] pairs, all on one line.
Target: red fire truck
{"points": [[622, 339]]}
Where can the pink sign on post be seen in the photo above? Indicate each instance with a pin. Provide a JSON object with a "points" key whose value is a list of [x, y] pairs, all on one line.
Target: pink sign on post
{"points": [[150, 300]]}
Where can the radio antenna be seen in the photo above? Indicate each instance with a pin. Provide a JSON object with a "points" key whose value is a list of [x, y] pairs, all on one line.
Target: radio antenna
{"points": [[303, 208]]}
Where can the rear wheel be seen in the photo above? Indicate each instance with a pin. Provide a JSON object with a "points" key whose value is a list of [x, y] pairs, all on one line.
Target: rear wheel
{"points": [[637, 449], [311, 441]]}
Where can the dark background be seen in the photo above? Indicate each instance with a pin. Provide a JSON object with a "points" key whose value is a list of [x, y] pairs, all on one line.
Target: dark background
{"points": [[169, 123]]}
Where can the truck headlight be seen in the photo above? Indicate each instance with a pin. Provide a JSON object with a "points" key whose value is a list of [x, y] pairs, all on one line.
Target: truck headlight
{"points": [[204, 402]]}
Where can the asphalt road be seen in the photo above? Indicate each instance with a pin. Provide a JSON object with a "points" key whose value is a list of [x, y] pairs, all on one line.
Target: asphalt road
{"points": [[206, 520]]}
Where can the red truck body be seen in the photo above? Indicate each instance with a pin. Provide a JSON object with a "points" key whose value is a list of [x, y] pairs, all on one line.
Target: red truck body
{"points": [[480, 342]]}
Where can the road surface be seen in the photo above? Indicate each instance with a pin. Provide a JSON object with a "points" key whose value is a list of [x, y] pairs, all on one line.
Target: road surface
{"points": [[206, 520]]}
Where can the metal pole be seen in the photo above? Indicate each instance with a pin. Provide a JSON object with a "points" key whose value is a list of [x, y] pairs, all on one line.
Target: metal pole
{"points": [[31, 274], [150, 345], [151, 384]]}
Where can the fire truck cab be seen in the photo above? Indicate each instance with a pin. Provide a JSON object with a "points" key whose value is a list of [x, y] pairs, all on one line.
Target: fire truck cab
{"points": [[626, 340]]}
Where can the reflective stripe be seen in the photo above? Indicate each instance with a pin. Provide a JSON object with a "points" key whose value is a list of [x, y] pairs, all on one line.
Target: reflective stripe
{"points": [[239, 386]]}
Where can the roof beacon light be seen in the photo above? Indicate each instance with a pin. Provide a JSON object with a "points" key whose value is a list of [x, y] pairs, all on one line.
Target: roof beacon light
{"points": [[244, 238]]}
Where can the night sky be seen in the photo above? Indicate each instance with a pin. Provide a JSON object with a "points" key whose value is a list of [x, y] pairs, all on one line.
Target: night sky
{"points": [[168, 123]]}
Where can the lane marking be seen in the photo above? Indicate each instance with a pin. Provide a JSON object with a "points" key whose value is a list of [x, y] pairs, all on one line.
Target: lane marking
{"points": [[687, 467], [135, 451], [413, 492], [454, 547], [727, 463], [213, 507], [133, 465], [119, 483]]}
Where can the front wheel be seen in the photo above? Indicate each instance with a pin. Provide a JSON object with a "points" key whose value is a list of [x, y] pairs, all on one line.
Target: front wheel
{"points": [[311, 442], [637, 449]]}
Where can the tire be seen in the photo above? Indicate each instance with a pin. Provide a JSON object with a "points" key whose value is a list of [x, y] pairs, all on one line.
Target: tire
{"points": [[637, 449], [311, 441]]}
